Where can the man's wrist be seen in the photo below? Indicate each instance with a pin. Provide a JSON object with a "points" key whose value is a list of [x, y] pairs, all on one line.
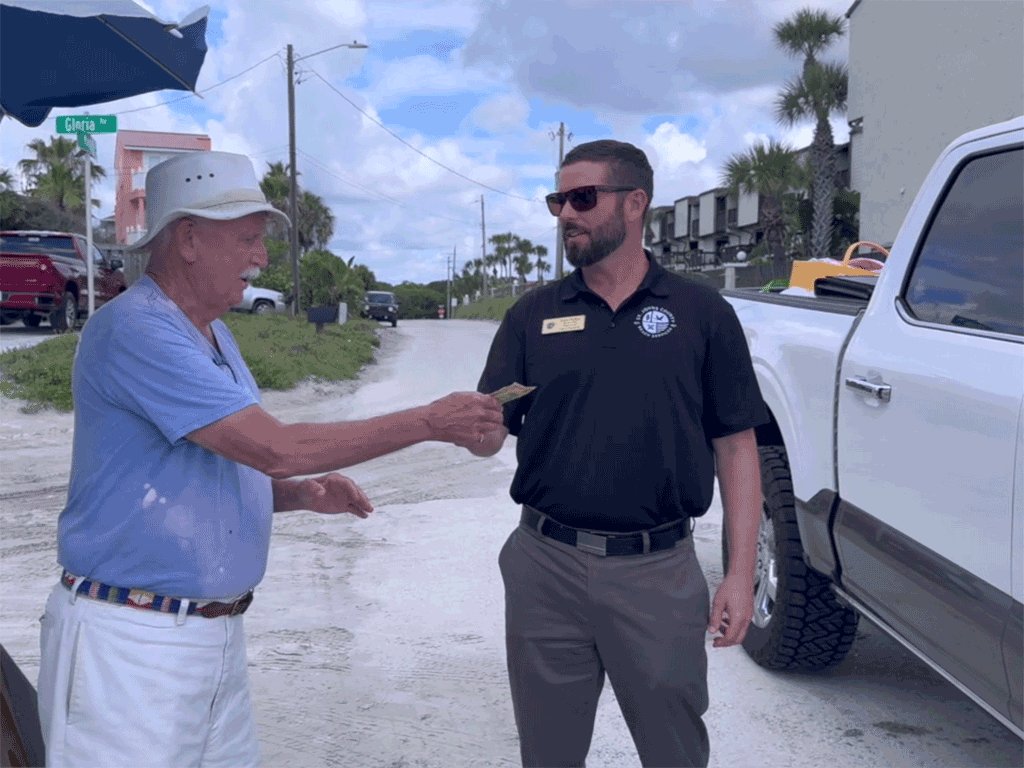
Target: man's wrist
{"points": [[422, 424]]}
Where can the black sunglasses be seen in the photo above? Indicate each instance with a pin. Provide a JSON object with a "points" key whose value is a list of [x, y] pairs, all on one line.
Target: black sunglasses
{"points": [[581, 198]]}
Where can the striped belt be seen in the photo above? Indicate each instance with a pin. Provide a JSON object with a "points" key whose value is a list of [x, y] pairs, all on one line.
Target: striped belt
{"points": [[140, 598]]}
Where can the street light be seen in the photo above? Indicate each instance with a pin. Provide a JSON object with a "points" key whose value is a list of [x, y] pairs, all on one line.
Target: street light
{"points": [[292, 203]]}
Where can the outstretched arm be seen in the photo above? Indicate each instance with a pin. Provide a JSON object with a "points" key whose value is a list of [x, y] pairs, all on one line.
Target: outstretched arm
{"points": [[255, 438]]}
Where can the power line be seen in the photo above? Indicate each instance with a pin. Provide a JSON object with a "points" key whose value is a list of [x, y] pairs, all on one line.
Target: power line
{"points": [[205, 90], [415, 149]]}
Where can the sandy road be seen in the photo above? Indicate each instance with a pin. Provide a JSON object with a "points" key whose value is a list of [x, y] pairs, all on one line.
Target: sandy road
{"points": [[378, 643]]}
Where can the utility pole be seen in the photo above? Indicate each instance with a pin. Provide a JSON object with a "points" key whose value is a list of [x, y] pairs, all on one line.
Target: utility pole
{"points": [[292, 203], [559, 244], [483, 244], [448, 289], [293, 172]]}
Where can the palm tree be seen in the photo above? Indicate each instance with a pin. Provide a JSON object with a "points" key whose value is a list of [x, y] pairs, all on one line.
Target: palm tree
{"points": [[316, 222], [504, 250], [769, 172], [57, 173], [6, 180], [522, 258], [819, 92], [542, 266], [276, 185]]}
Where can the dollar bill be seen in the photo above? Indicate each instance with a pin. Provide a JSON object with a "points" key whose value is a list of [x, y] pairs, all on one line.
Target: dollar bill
{"points": [[511, 392]]}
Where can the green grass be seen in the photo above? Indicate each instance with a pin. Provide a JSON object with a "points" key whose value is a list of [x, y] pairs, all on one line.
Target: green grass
{"points": [[488, 309], [279, 351], [40, 374]]}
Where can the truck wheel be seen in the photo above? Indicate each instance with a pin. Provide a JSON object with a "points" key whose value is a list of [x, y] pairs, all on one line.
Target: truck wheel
{"points": [[798, 624], [394, 322], [32, 321], [63, 318], [262, 308]]}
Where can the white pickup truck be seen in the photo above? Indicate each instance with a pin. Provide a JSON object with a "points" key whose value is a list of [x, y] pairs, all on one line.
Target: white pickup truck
{"points": [[893, 465]]}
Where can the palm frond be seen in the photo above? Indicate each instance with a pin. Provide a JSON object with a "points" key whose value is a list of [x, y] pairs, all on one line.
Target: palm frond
{"points": [[809, 32]]}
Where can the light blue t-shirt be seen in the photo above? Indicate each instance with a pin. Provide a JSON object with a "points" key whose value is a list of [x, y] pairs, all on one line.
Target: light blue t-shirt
{"points": [[147, 508]]}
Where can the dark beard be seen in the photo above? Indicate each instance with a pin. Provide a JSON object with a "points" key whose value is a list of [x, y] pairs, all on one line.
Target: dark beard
{"points": [[603, 242]]}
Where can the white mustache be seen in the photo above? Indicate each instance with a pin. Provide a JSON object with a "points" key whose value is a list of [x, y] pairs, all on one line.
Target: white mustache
{"points": [[250, 274]]}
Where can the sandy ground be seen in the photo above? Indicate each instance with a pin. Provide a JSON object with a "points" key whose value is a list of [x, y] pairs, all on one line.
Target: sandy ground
{"points": [[379, 643]]}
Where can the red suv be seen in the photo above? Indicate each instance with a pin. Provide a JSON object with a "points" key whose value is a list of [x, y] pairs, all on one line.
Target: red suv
{"points": [[43, 276]]}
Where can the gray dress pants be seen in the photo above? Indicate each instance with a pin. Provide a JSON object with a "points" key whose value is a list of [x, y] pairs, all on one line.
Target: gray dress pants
{"points": [[570, 616]]}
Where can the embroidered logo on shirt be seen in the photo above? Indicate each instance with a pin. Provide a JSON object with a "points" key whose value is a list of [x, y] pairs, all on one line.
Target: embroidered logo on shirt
{"points": [[655, 322]]}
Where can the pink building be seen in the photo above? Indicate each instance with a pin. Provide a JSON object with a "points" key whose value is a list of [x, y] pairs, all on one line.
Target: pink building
{"points": [[136, 153]]}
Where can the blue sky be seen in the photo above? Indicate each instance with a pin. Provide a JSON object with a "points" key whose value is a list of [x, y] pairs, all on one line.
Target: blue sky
{"points": [[479, 86]]}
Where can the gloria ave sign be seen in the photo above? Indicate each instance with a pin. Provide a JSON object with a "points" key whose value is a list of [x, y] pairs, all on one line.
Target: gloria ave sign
{"points": [[87, 124]]}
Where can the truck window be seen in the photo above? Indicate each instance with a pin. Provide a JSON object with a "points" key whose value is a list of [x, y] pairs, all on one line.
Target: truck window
{"points": [[969, 272], [39, 244]]}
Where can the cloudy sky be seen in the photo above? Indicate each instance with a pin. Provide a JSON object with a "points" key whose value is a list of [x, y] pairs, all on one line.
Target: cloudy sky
{"points": [[479, 86]]}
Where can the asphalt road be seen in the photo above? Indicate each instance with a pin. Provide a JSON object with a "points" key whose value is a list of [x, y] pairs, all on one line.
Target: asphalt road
{"points": [[379, 642]]}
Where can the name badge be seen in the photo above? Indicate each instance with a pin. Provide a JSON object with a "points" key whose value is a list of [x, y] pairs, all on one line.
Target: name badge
{"points": [[563, 324]]}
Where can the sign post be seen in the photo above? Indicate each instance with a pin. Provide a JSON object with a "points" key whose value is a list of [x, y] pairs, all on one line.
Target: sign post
{"points": [[84, 126]]}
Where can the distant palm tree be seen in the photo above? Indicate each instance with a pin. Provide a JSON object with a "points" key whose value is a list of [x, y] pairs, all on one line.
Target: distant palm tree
{"points": [[316, 222], [542, 266], [6, 180], [768, 171], [504, 250], [276, 185], [819, 92], [57, 173]]}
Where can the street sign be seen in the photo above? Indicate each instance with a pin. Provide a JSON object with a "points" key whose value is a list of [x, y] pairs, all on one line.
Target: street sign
{"points": [[87, 124], [88, 143]]}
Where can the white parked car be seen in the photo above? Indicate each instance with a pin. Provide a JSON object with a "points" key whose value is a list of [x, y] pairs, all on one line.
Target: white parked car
{"points": [[261, 301]]}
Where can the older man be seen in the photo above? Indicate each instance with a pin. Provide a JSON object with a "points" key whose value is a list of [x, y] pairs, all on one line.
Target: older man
{"points": [[176, 470]]}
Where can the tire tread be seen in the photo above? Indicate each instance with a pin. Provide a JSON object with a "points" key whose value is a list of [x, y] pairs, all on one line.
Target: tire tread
{"points": [[809, 629]]}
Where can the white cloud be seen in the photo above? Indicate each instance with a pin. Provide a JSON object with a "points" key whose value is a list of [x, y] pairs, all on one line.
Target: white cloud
{"points": [[675, 148], [501, 113]]}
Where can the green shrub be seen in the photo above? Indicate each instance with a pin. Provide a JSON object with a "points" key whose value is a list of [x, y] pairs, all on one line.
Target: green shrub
{"points": [[40, 374], [280, 352]]}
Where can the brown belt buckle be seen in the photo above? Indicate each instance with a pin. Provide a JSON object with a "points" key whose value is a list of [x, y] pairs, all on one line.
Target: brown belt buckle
{"points": [[589, 542]]}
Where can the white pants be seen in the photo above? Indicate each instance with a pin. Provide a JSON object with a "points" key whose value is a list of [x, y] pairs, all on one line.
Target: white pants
{"points": [[121, 686]]}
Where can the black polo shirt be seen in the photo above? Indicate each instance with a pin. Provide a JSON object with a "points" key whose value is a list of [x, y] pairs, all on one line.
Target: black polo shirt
{"points": [[617, 435]]}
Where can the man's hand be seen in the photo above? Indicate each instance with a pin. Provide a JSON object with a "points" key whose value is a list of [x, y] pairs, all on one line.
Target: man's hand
{"points": [[463, 418], [731, 611], [332, 494]]}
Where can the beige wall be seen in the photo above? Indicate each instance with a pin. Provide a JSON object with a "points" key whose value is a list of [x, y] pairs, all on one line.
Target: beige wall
{"points": [[922, 72]]}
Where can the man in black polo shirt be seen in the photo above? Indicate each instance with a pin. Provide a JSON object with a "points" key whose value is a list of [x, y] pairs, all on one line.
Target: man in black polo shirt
{"points": [[643, 385]]}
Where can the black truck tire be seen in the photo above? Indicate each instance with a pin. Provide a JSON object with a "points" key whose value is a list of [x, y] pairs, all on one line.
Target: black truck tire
{"points": [[31, 321], [802, 626], [63, 318], [394, 322]]}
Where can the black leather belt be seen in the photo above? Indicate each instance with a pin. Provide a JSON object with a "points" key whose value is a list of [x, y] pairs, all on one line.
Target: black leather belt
{"points": [[637, 543]]}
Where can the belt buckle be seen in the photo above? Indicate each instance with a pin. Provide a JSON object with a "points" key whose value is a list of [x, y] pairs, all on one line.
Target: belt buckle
{"points": [[589, 542], [240, 605]]}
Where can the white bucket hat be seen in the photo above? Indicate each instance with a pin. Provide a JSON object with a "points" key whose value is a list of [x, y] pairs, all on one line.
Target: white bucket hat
{"points": [[210, 185]]}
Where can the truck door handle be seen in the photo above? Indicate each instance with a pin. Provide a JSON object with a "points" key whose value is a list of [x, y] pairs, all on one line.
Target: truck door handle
{"points": [[879, 389]]}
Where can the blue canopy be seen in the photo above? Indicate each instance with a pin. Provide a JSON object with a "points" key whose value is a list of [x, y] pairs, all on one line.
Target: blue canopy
{"points": [[70, 54]]}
